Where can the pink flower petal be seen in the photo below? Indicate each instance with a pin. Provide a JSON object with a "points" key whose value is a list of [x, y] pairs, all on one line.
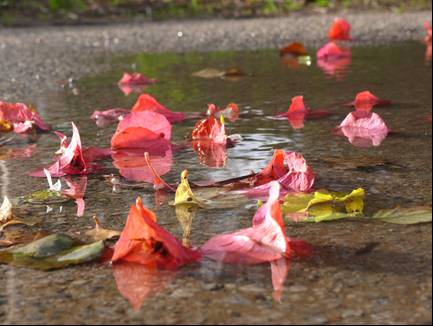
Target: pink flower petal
{"points": [[142, 130], [147, 103]]}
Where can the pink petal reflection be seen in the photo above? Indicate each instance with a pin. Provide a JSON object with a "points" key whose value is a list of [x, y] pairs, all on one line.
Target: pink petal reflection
{"points": [[77, 191], [107, 117], [134, 82], [133, 166], [137, 283], [367, 130], [280, 270], [334, 60]]}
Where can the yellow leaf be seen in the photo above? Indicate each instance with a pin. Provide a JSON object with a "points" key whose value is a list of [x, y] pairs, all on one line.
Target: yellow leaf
{"points": [[184, 194], [324, 205]]}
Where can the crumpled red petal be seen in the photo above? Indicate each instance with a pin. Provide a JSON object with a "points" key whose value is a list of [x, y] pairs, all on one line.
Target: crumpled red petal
{"points": [[340, 30], [144, 242]]}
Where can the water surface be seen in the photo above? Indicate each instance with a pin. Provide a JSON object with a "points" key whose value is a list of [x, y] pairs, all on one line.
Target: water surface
{"points": [[340, 284]]}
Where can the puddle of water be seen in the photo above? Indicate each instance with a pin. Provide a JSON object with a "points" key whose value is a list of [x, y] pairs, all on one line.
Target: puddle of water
{"points": [[229, 293]]}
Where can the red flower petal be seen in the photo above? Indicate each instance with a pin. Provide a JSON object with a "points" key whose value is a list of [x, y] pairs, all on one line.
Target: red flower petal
{"points": [[231, 112], [145, 130], [147, 103], [266, 241], [144, 242], [289, 169], [365, 101], [22, 117], [210, 129], [340, 30]]}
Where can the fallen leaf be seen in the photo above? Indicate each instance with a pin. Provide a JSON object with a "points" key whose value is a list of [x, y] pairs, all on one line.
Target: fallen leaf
{"points": [[233, 74], [53, 252], [184, 194], [340, 30], [100, 233], [12, 236], [399, 215], [323, 206]]}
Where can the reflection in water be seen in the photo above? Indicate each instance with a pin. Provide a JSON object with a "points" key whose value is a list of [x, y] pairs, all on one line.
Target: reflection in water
{"points": [[363, 129], [133, 165], [280, 270], [185, 215], [137, 283], [210, 153]]}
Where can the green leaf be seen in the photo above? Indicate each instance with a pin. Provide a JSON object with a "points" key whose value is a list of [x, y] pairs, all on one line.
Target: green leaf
{"points": [[398, 215], [53, 252]]}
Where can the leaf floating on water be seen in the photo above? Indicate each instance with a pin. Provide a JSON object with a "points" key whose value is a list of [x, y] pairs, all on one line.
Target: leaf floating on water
{"points": [[398, 215], [100, 233], [53, 252], [324, 206], [7, 217], [184, 194], [233, 74], [12, 236]]}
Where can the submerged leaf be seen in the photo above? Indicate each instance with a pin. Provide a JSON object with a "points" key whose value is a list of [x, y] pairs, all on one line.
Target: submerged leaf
{"points": [[53, 252], [100, 233], [398, 215], [324, 206]]}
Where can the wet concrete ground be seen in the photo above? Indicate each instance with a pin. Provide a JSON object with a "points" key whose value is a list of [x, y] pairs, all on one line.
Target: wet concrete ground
{"points": [[363, 272]]}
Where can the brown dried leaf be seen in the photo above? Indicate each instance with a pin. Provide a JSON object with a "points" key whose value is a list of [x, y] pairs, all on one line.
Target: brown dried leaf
{"points": [[99, 233]]}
